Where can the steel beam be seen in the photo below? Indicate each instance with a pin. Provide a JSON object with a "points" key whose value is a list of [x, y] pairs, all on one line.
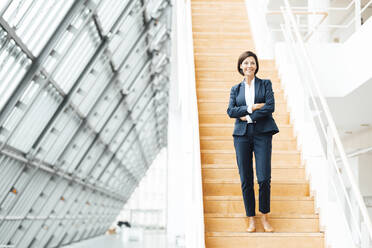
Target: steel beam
{"points": [[13, 35], [37, 62], [49, 169]]}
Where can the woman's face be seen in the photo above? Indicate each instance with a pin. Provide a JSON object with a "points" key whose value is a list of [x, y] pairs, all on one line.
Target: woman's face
{"points": [[248, 66]]}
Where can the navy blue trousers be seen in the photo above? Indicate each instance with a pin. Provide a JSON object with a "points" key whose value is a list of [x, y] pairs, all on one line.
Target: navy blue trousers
{"points": [[261, 146]]}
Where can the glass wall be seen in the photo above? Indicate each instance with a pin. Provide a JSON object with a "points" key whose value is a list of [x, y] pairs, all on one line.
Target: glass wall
{"points": [[83, 113]]}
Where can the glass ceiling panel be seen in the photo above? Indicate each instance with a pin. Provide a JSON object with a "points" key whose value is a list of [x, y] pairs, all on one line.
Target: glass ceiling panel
{"points": [[79, 81], [14, 63], [34, 21], [109, 11]]}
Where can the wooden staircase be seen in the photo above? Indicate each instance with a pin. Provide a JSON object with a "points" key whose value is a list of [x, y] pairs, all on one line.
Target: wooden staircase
{"points": [[221, 33]]}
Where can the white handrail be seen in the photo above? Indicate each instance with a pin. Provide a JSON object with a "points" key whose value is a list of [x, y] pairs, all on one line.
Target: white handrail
{"points": [[357, 153], [323, 107], [329, 8], [357, 12]]}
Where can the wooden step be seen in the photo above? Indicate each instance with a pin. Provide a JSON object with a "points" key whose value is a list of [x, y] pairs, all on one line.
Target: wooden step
{"points": [[223, 50], [280, 205], [221, 107], [235, 166], [218, 43], [216, 157], [215, 72], [227, 129], [212, 62], [230, 75], [264, 240], [228, 83], [206, 17], [276, 173], [236, 5], [279, 98], [201, 13], [220, 12], [282, 154], [280, 119], [214, 84], [239, 26], [281, 223], [224, 92], [224, 60], [224, 11], [237, 180], [276, 138], [236, 50], [234, 189], [223, 144], [222, 35], [225, 101]]}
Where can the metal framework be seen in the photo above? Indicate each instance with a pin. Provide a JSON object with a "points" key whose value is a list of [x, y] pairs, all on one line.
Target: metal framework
{"points": [[83, 113]]}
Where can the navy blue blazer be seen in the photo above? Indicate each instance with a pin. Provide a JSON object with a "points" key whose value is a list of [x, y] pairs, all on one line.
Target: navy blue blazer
{"points": [[263, 118]]}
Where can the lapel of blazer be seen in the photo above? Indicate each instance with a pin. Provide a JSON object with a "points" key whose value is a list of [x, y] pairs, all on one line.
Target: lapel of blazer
{"points": [[241, 94], [257, 85]]}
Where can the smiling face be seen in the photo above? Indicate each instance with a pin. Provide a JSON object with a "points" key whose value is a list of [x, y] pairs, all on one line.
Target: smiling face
{"points": [[249, 66]]}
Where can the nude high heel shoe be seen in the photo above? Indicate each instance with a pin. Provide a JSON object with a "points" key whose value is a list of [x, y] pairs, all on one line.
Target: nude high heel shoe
{"points": [[265, 224], [251, 226]]}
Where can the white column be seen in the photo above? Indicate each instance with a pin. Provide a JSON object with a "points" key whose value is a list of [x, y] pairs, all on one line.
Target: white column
{"points": [[185, 196]]}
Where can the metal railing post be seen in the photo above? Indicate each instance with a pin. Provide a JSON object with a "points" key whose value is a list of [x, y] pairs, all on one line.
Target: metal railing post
{"points": [[357, 10]]}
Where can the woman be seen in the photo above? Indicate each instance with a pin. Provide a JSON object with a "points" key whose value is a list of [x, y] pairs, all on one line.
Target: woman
{"points": [[252, 104]]}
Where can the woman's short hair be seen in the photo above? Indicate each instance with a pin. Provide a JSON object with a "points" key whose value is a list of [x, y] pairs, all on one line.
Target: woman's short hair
{"points": [[245, 55]]}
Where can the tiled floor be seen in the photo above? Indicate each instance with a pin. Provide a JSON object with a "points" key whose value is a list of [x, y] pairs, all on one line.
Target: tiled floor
{"points": [[128, 238]]}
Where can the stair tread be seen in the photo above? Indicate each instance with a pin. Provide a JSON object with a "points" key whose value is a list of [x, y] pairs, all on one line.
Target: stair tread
{"points": [[226, 69], [218, 100], [258, 215], [214, 89], [216, 112], [232, 124], [234, 166], [273, 180], [208, 137], [262, 234], [225, 114], [233, 151], [229, 167], [224, 33], [273, 198]]}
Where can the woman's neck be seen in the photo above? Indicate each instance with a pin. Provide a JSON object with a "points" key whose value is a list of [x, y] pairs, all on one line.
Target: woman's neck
{"points": [[248, 79]]}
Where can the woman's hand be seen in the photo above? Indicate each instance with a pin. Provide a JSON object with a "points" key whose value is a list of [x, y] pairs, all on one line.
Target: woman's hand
{"points": [[257, 106], [254, 107]]}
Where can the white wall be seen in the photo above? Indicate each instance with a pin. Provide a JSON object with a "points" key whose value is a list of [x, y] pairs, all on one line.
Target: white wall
{"points": [[365, 173], [185, 198], [358, 140], [344, 67]]}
